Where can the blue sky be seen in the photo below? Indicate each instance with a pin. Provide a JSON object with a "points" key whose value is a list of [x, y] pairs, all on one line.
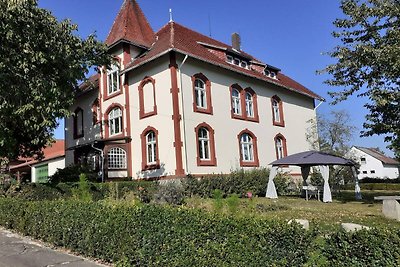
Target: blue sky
{"points": [[288, 34]]}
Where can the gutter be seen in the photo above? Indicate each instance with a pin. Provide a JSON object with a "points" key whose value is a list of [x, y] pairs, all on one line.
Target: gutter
{"points": [[183, 113]]}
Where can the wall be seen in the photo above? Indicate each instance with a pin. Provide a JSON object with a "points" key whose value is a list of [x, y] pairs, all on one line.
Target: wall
{"points": [[53, 165], [298, 110], [371, 163]]}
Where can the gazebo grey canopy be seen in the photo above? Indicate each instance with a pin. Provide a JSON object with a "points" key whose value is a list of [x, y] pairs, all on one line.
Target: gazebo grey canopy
{"points": [[307, 159], [312, 158]]}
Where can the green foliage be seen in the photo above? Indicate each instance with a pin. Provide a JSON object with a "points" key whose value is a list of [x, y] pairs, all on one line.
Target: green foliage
{"points": [[82, 192], [363, 248], [41, 62], [150, 235], [218, 200], [237, 182], [71, 174], [331, 134], [368, 63], [170, 192], [233, 203], [376, 186], [282, 182]]}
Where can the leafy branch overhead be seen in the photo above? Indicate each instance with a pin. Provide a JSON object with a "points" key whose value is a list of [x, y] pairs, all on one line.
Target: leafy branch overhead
{"points": [[42, 61], [368, 63]]}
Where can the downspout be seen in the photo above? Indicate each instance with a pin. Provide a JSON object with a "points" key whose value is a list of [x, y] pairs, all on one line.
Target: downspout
{"points": [[101, 161], [183, 113]]}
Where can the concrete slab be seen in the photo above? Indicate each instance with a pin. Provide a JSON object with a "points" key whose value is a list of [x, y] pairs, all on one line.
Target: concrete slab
{"points": [[18, 251]]}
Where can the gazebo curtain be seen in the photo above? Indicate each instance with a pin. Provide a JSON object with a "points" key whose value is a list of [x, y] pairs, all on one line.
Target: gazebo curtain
{"points": [[324, 169], [271, 190], [305, 171]]}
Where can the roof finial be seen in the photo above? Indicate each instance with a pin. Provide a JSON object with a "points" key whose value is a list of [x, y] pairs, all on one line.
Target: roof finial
{"points": [[170, 15]]}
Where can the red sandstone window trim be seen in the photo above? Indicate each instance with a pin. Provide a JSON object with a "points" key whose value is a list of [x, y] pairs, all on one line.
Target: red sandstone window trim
{"points": [[107, 124], [207, 83], [284, 145], [212, 161], [142, 113], [281, 121], [145, 165], [256, 161], [242, 103]]}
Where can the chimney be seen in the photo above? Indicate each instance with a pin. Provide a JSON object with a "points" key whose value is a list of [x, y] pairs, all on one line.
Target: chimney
{"points": [[236, 42]]}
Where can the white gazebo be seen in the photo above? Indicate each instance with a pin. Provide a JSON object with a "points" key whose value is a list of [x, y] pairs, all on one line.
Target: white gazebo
{"points": [[306, 160]]}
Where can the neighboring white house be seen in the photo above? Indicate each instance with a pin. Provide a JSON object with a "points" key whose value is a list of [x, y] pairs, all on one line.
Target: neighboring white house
{"points": [[39, 170], [374, 164], [177, 102]]}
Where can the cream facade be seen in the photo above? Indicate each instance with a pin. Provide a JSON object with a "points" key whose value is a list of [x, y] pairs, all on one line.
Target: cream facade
{"points": [[173, 104]]}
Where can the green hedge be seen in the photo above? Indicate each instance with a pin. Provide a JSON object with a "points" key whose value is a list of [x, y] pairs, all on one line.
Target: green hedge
{"points": [[163, 236], [374, 186], [237, 182]]}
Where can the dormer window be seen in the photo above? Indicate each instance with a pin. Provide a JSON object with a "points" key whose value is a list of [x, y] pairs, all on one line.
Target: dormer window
{"points": [[271, 72], [237, 61], [273, 75], [267, 72]]}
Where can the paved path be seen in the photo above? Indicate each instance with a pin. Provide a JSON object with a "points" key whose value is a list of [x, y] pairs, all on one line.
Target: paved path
{"points": [[17, 251]]}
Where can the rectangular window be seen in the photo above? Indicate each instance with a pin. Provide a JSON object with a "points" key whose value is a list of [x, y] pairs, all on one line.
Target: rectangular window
{"points": [[363, 160], [372, 171], [364, 172]]}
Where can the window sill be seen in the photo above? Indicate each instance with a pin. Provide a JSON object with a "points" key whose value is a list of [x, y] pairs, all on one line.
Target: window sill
{"points": [[279, 124], [249, 164], [210, 162], [149, 167], [208, 111], [107, 97], [143, 115]]}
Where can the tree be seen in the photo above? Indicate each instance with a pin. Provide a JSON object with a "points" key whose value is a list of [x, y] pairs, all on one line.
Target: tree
{"points": [[41, 62], [334, 133], [368, 64]]}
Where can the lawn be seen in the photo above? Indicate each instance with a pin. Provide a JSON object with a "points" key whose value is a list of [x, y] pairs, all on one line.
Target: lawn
{"points": [[343, 209]]}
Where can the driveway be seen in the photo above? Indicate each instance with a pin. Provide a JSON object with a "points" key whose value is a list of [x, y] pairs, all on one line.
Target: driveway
{"points": [[17, 251]]}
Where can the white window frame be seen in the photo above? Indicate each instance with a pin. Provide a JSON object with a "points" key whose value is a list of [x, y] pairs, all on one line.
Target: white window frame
{"points": [[116, 158], [249, 105], [247, 148], [236, 102], [229, 59], [113, 80], [151, 148], [279, 147], [204, 143], [201, 93], [277, 112], [115, 121]]}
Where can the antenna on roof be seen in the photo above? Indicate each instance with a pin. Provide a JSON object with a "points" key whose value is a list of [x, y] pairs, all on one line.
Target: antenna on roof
{"points": [[209, 23], [170, 15]]}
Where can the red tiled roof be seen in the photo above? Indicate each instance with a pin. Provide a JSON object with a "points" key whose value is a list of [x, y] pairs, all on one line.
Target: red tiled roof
{"points": [[91, 82], [378, 155], [131, 25], [175, 37], [55, 150]]}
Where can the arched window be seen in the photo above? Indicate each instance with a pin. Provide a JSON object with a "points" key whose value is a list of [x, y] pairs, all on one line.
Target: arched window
{"points": [[246, 143], [205, 145], [277, 111], [147, 98], [115, 121], [113, 79], [236, 103], [78, 123], [249, 105], [248, 149], [150, 156], [200, 91], [116, 158], [201, 94], [151, 145], [280, 146]]}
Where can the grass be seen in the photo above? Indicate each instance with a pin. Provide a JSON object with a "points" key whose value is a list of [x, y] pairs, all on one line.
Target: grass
{"points": [[343, 209]]}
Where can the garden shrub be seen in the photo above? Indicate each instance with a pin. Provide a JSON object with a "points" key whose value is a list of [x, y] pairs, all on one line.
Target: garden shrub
{"points": [[149, 235], [237, 182], [170, 192], [71, 174]]}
